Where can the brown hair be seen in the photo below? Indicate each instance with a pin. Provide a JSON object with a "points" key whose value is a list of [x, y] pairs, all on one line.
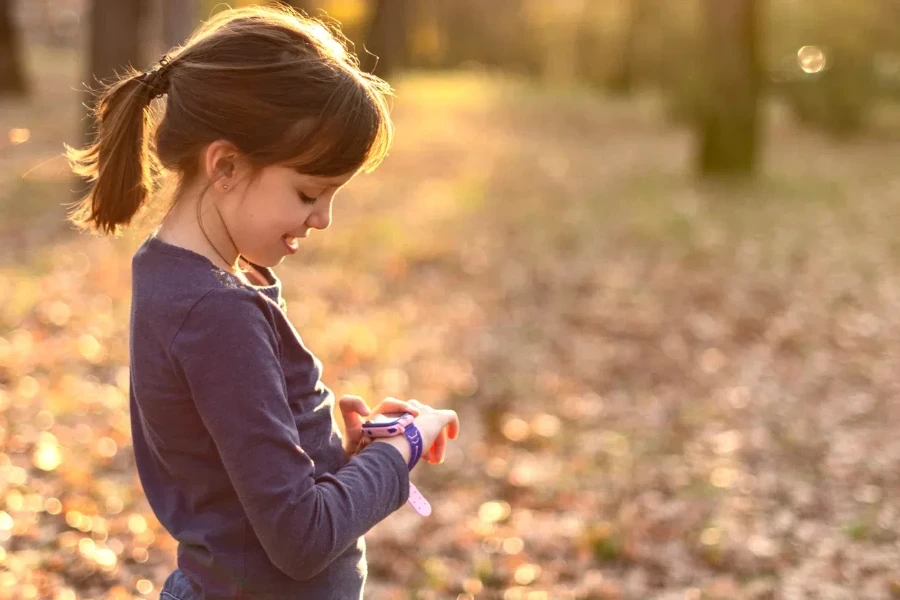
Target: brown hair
{"points": [[280, 86]]}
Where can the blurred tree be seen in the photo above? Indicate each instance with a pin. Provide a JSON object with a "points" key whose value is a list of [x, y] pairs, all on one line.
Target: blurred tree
{"points": [[606, 49], [427, 39], [729, 111], [114, 42], [555, 35], [386, 47], [622, 78], [12, 72], [508, 36], [179, 18]]}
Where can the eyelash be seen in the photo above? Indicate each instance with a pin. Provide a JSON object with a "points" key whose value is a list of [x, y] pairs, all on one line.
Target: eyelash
{"points": [[307, 199]]}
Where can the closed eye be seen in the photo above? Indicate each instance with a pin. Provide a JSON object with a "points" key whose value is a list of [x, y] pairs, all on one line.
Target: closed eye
{"points": [[307, 199]]}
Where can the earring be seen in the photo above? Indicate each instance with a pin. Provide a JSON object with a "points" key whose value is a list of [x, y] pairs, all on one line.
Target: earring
{"points": [[225, 186]]}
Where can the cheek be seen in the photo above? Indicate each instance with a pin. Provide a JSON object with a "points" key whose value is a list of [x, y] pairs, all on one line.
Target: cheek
{"points": [[247, 223], [271, 208], [262, 203]]}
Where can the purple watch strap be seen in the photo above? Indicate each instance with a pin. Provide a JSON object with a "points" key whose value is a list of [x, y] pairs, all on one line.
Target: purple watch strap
{"points": [[416, 499], [414, 436]]}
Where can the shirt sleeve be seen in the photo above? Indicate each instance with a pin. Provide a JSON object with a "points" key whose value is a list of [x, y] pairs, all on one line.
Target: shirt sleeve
{"points": [[229, 353]]}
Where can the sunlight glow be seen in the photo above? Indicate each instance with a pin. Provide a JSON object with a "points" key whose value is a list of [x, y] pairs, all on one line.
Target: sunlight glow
{"points": [[811, 59]]}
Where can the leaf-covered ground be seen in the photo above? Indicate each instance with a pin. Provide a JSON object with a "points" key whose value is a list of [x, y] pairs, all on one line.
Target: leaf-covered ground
{"points": [[666, 390]]}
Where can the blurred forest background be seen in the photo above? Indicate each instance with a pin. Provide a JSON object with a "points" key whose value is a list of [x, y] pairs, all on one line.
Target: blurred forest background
{"points": [[647, 249]]}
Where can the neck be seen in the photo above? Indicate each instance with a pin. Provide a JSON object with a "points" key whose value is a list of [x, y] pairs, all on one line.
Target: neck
{"points": [[183, 226]]}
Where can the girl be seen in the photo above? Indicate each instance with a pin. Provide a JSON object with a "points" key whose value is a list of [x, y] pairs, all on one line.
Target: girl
{"points": [[266, 117]]}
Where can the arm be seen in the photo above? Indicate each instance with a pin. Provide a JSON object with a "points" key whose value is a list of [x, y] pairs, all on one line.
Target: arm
{"points": [[229, 355]]}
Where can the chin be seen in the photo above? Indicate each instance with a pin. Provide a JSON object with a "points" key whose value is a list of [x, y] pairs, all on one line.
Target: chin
{"points": [[266, 261], [272, 263]]}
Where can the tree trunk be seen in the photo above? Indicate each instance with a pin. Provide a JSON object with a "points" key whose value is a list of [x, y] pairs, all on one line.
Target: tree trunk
{"points": [[729, 117], [622, 79], [386, 38], [12, 72], [114, 44], [179, 19]]}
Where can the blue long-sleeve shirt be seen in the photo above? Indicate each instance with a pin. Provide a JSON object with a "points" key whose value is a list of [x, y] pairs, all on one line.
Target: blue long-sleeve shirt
{"points": [[235, 441]]}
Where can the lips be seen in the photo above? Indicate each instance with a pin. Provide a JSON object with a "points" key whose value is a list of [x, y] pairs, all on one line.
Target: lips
{"points": [[292, 243]]}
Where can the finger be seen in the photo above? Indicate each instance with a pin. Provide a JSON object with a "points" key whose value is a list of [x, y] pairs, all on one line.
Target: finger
{"points": [[431, 452], [441, 451], [395, 406], [351, 403], [439, 447], [453, 425], [436, 452], [391, 405], [351, 409]]}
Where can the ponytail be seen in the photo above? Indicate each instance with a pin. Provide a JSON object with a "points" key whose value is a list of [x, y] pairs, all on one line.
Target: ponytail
{"points": [[118, 163]]}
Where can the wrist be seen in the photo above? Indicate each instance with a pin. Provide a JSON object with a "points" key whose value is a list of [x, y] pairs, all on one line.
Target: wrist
{"points": [[400, 443]]}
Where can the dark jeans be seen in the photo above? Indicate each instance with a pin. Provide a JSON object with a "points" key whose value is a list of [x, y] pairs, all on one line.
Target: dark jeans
{"points": [[177, 587]]}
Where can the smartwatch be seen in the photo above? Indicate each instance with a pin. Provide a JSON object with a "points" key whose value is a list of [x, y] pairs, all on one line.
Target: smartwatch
{"points": [[390, 425]]}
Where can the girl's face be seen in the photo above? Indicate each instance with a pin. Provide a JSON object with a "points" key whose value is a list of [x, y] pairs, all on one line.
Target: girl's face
{"points": [[268, 215]]}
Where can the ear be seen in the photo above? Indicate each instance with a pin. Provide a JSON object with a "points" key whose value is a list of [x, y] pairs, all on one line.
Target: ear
{"points": [[221, 164]]}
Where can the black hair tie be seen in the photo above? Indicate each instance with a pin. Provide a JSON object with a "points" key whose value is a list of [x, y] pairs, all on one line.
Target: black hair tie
{"points": [[156, 78]]}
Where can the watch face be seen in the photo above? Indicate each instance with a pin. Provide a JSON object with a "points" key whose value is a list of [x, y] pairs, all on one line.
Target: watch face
{"points": [[381, 419]]}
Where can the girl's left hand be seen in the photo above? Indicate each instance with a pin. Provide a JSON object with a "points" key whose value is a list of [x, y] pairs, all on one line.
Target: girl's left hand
{"points": [[353, 408]]}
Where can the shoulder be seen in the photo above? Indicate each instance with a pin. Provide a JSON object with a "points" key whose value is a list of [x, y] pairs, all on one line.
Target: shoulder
{"points": [[228, 338], [226, 328], [235, 308]]}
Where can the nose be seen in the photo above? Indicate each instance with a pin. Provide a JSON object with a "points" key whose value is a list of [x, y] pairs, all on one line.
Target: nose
{"points": [[320, 217]]}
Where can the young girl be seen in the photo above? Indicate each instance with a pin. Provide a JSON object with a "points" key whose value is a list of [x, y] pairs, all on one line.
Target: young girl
{"points": [[266, 117]]}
